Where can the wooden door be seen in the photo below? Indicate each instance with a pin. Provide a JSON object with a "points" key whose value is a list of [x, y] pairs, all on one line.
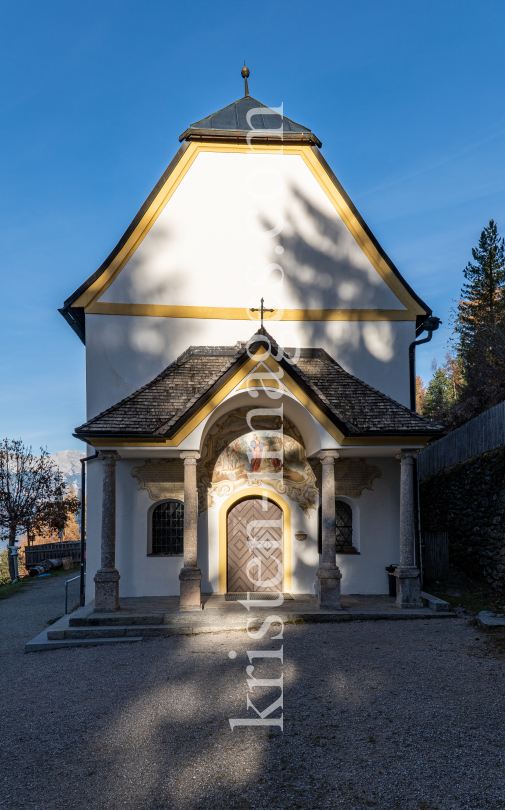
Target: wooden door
{"points": [[249, 518]]}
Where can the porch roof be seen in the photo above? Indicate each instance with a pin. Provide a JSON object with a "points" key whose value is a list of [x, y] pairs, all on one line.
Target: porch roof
{"points": [[162, 406]]}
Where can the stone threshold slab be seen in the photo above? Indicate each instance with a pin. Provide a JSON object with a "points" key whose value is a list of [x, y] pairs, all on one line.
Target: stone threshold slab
{"points": [[56, 636]]}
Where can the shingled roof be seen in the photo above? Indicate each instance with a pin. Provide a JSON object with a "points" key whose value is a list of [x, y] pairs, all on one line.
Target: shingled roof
{"points": [[162, 406], [264, 122]]}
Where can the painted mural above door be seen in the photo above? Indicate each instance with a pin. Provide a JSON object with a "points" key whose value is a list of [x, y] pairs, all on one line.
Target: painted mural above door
{"points": [[272, 454]]}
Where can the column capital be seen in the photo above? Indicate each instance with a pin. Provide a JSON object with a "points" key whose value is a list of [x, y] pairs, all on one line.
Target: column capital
{"points": [[328, 456], [190, 456], [403, 455], [108, 455]]}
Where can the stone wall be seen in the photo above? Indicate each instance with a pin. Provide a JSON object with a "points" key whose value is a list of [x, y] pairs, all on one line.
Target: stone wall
{"points": [[468, 501]]}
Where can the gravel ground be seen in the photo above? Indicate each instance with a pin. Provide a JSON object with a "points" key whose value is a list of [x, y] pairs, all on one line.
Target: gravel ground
{"points": [[376, 714]]}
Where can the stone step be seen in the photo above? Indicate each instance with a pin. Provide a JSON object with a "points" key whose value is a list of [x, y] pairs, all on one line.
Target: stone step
{"points": [[114, 619], [48, 644], [128, 631]]}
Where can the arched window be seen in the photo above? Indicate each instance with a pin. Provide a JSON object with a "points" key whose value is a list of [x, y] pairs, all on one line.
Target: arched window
{"points": [[167, 529], [343, 526]]}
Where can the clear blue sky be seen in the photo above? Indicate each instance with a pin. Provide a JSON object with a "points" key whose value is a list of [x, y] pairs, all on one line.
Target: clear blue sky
{"points": [[407, 98]]}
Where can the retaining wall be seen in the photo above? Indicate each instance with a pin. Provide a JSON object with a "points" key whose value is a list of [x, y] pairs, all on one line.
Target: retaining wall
{"points": [[468, 502]]}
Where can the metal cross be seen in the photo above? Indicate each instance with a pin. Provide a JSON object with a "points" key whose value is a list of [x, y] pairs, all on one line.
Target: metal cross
{"points": [[261, 309]]}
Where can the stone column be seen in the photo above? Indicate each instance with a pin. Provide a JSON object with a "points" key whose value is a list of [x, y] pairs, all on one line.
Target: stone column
{"points": [[107, 578], [328, 575], [408, 582], [190, 576]]}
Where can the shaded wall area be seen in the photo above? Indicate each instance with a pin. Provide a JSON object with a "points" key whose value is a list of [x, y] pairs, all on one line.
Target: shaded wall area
{"points": [[467, 501]]}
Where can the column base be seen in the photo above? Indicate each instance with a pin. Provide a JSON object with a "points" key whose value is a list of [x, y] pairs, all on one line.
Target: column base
{"points": [[106, 590], [328, 591], [408, 587], [190, 589]]}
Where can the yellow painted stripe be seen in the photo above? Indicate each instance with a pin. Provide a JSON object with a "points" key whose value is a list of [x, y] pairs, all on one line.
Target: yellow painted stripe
{"points": [[243, 314]]}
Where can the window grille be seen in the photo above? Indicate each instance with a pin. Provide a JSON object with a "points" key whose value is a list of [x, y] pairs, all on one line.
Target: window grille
{"points": [[343, 526], [168, 528]]}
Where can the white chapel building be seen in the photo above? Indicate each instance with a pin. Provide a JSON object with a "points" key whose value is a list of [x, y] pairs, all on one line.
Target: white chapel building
{"points": [[247, 381]]}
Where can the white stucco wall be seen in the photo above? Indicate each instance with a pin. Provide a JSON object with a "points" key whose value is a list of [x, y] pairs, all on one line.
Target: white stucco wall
{"points": [[208, 246], [125, 352], [375, 513]]}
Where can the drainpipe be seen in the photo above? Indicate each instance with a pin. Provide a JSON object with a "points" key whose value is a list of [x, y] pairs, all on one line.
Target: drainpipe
{"points": [[83, 524], [430, 325]]}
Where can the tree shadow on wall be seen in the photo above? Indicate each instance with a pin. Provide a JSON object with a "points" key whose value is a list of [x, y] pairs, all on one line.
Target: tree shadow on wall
{"points": [[317, 276]]}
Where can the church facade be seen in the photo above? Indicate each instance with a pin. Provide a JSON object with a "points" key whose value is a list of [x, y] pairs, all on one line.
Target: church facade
{"points": [[247, 381]]}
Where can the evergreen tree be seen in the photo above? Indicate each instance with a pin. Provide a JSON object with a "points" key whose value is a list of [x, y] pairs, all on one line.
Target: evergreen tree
{"points": [[479, 326], [438, 397], [453, 368], [482, 304]]}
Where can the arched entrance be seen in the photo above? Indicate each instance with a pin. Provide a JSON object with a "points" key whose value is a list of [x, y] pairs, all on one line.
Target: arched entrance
{"points": [[247, 520]]}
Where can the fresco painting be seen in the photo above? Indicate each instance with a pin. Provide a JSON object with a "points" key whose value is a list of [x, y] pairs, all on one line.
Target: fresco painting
{"points": [[272, 454]]}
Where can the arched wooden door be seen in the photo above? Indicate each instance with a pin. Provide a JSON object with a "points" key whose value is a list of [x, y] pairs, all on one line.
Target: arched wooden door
{"points": [[248, 520]]}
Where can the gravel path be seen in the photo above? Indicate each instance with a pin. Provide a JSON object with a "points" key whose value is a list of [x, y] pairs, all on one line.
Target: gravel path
{"points": [[387, 715]]}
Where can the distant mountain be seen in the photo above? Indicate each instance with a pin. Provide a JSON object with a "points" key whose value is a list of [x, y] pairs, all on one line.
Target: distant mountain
{"points": [[69, 463]]}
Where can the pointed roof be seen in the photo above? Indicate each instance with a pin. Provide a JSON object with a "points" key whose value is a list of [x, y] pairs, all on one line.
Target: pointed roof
{"points": [[160, 408], [265, 122]]}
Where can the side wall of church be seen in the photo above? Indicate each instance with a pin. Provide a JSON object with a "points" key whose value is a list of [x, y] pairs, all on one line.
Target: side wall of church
{"points": [[125, 352], [375, 522]]}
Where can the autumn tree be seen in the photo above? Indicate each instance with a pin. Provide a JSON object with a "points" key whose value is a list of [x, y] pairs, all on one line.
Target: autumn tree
{"points": [[32, 494], [420, 395]]}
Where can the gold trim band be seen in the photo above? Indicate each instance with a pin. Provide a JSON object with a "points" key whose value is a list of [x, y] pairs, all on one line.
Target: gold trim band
{"points": [[243, 314]]}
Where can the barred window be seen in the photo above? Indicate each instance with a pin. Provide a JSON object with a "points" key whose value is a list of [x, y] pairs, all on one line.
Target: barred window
{"points": [[168, 528], [343, 526]]}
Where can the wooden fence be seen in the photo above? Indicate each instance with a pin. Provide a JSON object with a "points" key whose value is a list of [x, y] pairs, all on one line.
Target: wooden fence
{"points": [[484, 433], [51, 551], [436, 555]]}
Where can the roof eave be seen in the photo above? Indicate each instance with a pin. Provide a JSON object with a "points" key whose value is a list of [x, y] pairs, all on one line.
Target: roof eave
{"points": [[245, 135], [75, 318]]}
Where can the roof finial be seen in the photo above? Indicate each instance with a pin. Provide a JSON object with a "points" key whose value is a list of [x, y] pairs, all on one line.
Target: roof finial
{"points": [[245, 73]]}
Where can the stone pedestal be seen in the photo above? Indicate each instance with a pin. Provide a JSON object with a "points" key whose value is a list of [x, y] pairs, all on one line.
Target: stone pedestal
{"points": [[408, 576], [107, 577], [190, 577], [328, 575]]}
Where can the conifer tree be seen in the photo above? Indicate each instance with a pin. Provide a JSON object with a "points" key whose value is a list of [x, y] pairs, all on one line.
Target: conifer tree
{"points": [[438, 397], [482, 304]]}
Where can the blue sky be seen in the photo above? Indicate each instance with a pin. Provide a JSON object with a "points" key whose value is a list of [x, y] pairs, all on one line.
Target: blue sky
{"points": [[407, 98]]}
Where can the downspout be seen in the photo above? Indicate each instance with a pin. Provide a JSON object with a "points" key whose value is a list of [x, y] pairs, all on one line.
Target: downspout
{"points": [[430, 325], [83, 525]]}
